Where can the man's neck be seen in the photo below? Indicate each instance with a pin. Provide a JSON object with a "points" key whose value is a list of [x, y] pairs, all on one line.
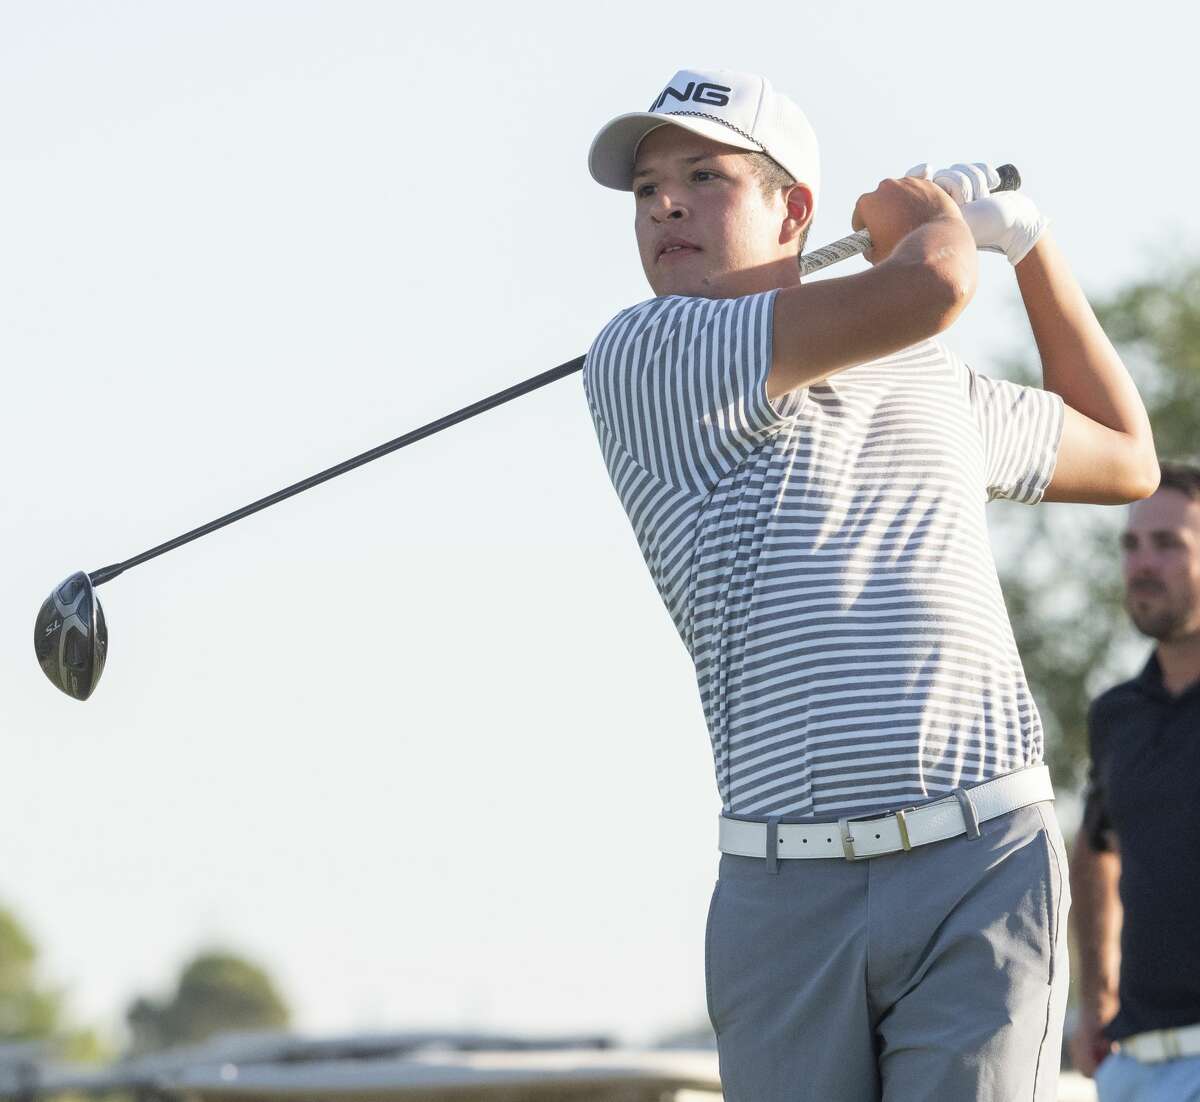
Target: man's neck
{"points": [[1179, 660], [777, 274]]}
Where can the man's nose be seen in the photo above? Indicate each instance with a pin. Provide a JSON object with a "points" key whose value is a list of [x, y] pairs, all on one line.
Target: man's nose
{"points": [[667, 208], [1140, 565], [1134, 565]]}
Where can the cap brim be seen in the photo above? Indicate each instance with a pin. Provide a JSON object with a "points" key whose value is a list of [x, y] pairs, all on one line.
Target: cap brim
{"points": [[610, 160]]}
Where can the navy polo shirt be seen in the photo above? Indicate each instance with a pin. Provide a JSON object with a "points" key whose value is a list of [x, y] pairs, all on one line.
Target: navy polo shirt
{"points": [[1143, 799]]}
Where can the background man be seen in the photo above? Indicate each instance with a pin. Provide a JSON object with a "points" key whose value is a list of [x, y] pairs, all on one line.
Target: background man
{"points": [[1136, 869], [806, 470]]}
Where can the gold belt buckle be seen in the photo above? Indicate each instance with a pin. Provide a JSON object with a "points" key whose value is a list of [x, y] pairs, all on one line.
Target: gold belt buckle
{"points": [[848, 840]]}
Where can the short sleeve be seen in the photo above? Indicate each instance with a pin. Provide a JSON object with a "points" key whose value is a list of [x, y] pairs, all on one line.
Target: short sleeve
{"points": [[1097, 824], [1021, 427], [680, 386]]}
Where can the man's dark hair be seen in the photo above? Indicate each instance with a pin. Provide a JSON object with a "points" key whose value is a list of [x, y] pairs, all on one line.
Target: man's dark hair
{"points": [[772, 177], [1182, 477]]}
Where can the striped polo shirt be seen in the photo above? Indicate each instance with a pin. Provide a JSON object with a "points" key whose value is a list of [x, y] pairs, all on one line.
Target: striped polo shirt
{"points": [[824, 555]]}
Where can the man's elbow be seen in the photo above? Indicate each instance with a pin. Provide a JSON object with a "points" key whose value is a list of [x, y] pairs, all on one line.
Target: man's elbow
{"points": [[951, 286], [1141, 473], [1150, 482]]}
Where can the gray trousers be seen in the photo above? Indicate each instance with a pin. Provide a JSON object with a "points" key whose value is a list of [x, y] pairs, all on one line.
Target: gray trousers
{"points": [[939, 974]]}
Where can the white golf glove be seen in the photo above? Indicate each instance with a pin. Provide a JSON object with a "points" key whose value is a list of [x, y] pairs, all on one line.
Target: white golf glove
{"points": [[1007, 222]]}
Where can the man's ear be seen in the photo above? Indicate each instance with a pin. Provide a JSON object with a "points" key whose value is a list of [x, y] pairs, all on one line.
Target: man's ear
{"points": [[799, 201]]}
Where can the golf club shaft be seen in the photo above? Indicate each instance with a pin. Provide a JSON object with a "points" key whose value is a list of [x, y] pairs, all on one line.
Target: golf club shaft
{"points": [[843, 249], [98, 577]]}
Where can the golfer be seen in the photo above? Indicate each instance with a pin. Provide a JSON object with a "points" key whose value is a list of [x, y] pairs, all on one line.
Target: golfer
{"points": [[805, 467]]}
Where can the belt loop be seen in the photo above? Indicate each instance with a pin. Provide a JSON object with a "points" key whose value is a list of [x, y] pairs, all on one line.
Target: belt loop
{"points": [[847, 839], [968, 811], [773, 844]]}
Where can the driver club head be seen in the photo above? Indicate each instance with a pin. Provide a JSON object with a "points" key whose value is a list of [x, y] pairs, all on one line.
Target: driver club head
{"points": [[70, 637]]}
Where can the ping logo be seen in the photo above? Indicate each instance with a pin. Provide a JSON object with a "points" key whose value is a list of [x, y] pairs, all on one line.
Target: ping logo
{"points": [[714, 95]]}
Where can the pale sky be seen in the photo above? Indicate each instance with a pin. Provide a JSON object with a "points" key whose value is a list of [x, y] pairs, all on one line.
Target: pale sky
{"points": [[423, 740]]}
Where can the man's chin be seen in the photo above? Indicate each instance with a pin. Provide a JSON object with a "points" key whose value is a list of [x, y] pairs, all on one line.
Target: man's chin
{"points": [[1162, 626], [691, 286], [673, 283]]}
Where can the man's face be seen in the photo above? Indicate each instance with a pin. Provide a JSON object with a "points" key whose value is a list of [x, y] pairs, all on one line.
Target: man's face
{"points": [[1161, 564], [703, 225]]}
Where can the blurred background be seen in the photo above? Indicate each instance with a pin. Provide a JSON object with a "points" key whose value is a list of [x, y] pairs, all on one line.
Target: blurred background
{"points": [[383, 757]]}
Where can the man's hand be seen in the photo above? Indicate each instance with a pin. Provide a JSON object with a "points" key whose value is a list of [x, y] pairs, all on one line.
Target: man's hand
{"points": [[1089, 1046], [1006, 222], [896, 208]]}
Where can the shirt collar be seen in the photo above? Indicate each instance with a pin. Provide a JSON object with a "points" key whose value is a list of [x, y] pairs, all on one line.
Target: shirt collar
{"points": [[1150, 680], [1151, 675]]}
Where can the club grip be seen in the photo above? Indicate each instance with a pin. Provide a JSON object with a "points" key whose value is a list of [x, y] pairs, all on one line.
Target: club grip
{"points": [[1010, 178], [856, 243]]}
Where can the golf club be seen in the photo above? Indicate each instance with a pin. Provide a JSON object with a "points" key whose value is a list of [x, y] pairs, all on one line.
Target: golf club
{"points": [[70, 636]]}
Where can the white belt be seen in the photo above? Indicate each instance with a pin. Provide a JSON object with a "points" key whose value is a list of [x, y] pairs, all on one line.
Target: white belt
{"points": [[960, 813], [1162, 1044]]}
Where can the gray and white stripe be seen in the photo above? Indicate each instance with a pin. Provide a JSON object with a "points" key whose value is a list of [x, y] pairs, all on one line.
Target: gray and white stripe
{"points": [[825, 557]]}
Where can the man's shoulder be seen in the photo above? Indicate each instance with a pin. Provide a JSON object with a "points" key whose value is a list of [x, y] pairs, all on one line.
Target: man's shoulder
{"points": [[1120, 692], [630, 321], [1115, 702], [657, 318], [623, 336], [664, 305]]}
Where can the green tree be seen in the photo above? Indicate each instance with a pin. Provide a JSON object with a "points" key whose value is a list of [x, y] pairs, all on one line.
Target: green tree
{"points": [[217, 992], [27, 1011], [1060, 565]]}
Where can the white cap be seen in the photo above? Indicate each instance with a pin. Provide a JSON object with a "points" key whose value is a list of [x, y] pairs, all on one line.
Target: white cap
{"points": [[738, 109]]}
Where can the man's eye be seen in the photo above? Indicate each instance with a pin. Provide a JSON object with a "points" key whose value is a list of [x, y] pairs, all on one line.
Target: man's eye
{"points": [[704, 174], [645, 190]]}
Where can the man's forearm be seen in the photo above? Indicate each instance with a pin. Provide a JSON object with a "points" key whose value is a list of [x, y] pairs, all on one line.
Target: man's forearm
{"points": [[1096, 916], [1079, 362], [831, 324]]}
